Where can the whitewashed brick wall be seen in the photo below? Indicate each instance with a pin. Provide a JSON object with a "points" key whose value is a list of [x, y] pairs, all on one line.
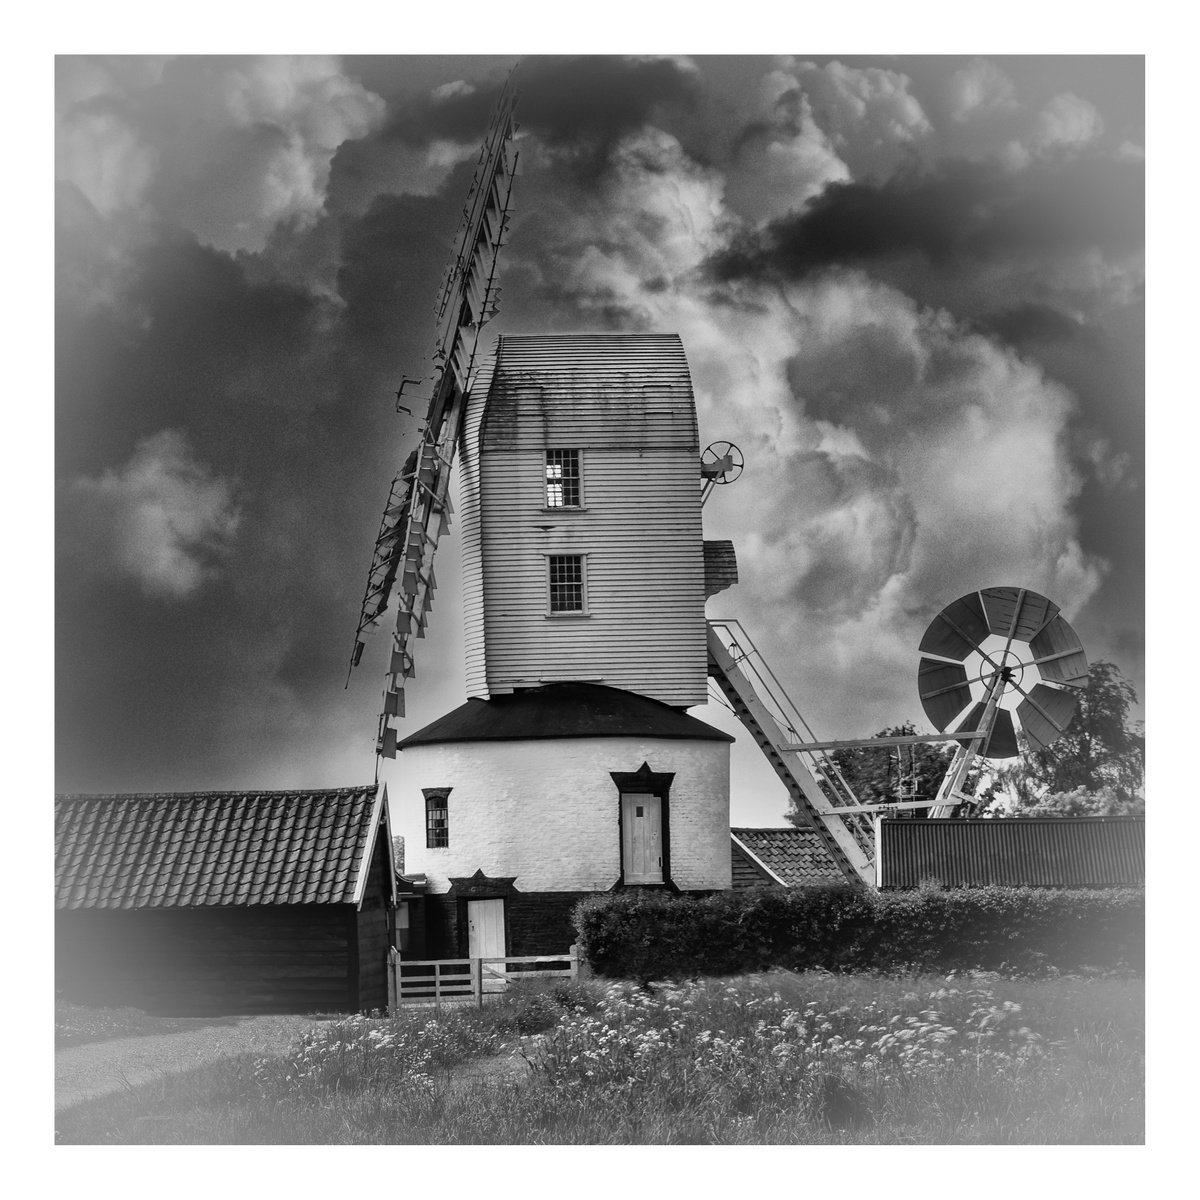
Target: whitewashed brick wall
{"points": [[546, 811]]}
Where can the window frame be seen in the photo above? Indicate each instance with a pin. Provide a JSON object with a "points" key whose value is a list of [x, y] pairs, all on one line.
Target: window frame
{"points": [[437, 799], [551, 611], [564, 507]]}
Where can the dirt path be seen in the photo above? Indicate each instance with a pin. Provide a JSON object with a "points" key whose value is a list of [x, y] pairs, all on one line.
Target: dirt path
{"points": [[102, 1068]]}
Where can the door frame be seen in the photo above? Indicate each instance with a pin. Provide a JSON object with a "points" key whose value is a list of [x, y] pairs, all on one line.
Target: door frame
{"points": [[503, 921], [645, 781], [644, 809], [493, 982]]}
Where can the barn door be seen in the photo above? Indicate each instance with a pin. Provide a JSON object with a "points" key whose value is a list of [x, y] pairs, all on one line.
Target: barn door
{"points": [[641, 837], [485, 939]]}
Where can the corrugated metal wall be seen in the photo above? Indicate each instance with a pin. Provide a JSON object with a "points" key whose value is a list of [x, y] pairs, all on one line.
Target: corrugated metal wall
{"points": [[1035, 851], [625, 402]]}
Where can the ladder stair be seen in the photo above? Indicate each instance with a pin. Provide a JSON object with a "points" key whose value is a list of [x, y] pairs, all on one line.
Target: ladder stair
{"points": [[847, 836]]}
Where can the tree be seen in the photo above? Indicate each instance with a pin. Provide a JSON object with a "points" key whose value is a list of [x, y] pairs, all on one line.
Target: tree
{"points": [[1102, 754], [1105, 802], [879, 774]]}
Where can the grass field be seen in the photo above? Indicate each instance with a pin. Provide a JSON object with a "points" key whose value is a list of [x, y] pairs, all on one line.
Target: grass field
{"points": [[770, 1059]]}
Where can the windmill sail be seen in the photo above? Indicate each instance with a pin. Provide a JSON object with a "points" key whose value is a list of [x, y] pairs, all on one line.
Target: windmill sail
{"points": [[418, 509]]}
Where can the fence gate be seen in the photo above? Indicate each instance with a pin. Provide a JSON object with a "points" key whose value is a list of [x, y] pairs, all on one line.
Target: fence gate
{"points": [[462, 980]]}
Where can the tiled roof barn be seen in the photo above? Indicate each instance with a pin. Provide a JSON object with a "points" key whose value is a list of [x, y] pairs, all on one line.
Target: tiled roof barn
{"points": [[225, 901]]}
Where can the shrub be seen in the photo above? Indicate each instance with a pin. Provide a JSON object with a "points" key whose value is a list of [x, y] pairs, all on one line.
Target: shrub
{"points": [[647, 936]]}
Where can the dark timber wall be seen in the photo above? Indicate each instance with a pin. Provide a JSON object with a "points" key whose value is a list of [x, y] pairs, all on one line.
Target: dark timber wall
{"points": [[231, 959], [270, 958], [374, 931]]}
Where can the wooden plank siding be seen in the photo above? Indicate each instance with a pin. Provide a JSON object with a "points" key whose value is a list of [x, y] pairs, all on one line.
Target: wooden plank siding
{"points": [[225, 902], [625, 402], [471, 531], [746, 872], [373, 931], [269, 958]]}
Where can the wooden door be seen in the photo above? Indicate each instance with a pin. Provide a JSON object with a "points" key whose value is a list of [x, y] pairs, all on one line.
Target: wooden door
{"points": [[485, 939], [641, 837]]}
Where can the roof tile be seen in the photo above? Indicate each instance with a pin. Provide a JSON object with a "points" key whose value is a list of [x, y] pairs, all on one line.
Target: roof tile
{"points": [[205, 848], [797, 856]]}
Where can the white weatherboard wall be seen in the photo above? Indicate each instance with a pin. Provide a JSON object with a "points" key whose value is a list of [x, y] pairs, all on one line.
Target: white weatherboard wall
{"points": [[625, 403], [546, 810]]}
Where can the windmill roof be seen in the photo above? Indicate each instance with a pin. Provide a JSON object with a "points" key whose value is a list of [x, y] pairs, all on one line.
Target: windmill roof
{"points": [[189, 849], [563, 710], [589, 390], [796, 857]]}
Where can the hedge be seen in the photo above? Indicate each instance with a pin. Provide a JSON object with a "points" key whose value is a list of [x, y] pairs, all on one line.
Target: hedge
{"points": [[648, 935]]}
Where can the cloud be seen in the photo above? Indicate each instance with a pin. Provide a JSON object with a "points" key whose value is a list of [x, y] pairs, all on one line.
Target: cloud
{"points": [[104, 157], [1113, 469], [1067, 124], [896, 458], [814, 126], [872, 119], [782, 162], [979, 91], [907, 350], [1067, 121], [163, 519], [966, 229], [567, 101], [227, 148]]}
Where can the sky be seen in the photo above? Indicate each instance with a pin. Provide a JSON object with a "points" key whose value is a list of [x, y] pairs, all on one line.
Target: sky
{"points": [[910, 288]]}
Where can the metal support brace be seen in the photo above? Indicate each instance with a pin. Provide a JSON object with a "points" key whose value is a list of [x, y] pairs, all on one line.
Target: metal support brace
{"points": [[950, 794]]}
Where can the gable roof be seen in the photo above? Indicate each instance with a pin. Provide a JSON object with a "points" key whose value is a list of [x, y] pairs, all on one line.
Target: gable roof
{"points": [[191, 849], [791, 856], [564, 710]]}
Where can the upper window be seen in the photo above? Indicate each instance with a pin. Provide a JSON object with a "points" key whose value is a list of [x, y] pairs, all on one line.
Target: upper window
{"points": [[566, 583], [562, 479], [437, 817]]}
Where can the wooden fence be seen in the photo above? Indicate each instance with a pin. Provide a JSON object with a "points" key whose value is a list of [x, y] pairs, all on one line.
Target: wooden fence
{"points": [[458, 980]]}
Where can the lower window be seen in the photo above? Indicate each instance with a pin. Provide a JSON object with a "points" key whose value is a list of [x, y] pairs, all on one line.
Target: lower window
{"points": [[437, 817]]}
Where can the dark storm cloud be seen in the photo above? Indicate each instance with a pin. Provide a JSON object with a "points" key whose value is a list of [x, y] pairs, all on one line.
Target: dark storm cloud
{"points": [[1031, 324], [565, 100], [391, 263], [578, 107], [229, 338], [562, 100], [963, 212], [201, 389]]}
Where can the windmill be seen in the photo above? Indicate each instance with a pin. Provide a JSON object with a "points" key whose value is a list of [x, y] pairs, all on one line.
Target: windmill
{"points": [[994, 660], [574, 766], [991, 661], [418, 509]]}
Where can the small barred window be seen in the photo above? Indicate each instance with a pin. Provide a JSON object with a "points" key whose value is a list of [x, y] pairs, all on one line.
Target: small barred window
{"points": [[566, 583], [562, 479]]}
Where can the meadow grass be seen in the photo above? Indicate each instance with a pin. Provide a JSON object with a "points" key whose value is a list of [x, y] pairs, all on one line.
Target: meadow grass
{"points": [[770, 1059]]}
